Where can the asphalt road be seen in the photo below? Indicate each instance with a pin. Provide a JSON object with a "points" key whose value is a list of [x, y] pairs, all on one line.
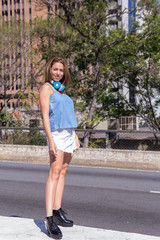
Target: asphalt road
{"points": [[113, 199]]}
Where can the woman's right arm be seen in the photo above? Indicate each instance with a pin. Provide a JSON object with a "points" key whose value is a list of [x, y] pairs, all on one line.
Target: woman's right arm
{"points": [[45, 94]]}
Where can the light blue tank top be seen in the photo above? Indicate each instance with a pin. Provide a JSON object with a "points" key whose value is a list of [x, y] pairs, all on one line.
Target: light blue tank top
{"points": [[61, 112]]}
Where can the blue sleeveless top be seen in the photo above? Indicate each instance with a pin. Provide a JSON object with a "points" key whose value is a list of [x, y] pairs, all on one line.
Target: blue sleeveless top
{"points": [[61, 112]]}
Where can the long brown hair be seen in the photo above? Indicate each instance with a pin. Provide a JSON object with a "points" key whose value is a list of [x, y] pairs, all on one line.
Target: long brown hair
{"points": [[48, 76]]}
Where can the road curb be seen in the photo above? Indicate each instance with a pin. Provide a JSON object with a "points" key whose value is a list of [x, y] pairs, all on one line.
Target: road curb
{"points": [[97, 163]]}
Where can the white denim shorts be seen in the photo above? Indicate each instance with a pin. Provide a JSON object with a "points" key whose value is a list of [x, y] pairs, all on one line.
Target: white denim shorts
{"points": [[65, 139]]}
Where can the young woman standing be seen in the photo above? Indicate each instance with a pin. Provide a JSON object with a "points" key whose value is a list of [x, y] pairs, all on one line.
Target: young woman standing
{"points": [[59, 121]]}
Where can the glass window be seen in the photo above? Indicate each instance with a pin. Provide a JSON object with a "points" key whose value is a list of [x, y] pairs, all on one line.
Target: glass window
{"points": [[78, 4], [56, 6], [30, 13], [14, 4], [48, 6], [18, 11], [23, 14], [73, 4]]}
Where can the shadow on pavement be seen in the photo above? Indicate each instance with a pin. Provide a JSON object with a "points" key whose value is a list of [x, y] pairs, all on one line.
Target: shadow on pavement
{"points": [[41, 226]]}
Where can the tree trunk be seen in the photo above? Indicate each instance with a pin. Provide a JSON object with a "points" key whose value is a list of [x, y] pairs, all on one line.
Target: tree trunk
{"points": [[86, 139], [89, 118]]}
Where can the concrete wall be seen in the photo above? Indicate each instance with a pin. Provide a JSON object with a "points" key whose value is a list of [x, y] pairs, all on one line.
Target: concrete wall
{"points": [[94, 157]]}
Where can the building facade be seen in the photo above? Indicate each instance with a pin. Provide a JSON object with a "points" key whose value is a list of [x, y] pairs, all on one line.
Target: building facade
{"points": [[14, 64], [16, 60]]}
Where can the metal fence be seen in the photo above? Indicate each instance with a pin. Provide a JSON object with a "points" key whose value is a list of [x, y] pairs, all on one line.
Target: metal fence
{"points": [[115, 139]]}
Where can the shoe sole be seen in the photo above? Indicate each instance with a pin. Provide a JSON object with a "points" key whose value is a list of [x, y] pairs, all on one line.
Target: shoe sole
{"points": [[64, 225], [54, 236]]}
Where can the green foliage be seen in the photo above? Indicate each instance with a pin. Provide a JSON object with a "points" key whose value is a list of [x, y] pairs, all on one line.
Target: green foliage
{"points": [[25, 138], [97, 143], [8, 119], [103, 57]]}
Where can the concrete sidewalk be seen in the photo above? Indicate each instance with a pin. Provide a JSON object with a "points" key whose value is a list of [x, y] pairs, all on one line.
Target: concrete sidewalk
{"points": [[12, 228]]}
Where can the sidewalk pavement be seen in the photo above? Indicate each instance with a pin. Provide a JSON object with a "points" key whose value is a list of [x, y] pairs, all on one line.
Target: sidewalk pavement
{"points": [[28, 229]]}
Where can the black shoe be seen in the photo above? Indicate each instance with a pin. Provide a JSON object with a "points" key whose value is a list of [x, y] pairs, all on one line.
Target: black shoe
{"points": [[60, 219], [52, 228]]}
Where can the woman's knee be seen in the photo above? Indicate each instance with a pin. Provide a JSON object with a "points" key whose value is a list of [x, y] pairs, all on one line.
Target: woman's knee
{"points": [[55, 173], [64, 170]]}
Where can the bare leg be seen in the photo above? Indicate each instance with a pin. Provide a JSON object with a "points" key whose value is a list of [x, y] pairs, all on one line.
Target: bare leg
{"points": [[52, 181], [61, 181]]}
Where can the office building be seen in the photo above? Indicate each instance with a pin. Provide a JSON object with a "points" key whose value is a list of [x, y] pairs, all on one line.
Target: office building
{"points": [[16, 63]]}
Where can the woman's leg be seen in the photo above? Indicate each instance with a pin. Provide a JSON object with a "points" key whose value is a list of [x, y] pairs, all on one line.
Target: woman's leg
{"points": [[53, 181], [61, 181]]}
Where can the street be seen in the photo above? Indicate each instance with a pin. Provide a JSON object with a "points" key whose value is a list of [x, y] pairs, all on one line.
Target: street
{"points": [[113, 199]]}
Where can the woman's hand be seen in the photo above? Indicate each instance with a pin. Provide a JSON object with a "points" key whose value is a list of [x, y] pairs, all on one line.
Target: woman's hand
{"points": [[53, 148], [77, 142]]}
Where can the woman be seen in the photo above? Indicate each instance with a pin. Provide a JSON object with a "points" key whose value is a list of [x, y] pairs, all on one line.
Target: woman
{"points": [[59, 122]]}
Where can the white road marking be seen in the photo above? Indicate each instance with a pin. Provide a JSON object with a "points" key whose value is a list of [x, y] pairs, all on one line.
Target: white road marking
{"points": [[157, 192]]}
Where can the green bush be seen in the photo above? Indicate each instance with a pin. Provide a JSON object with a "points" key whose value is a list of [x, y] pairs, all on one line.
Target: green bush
{"points": [[24, 138]]}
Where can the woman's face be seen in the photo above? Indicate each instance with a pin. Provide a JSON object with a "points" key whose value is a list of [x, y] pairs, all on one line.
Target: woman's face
{"points": [[57, 71]]}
